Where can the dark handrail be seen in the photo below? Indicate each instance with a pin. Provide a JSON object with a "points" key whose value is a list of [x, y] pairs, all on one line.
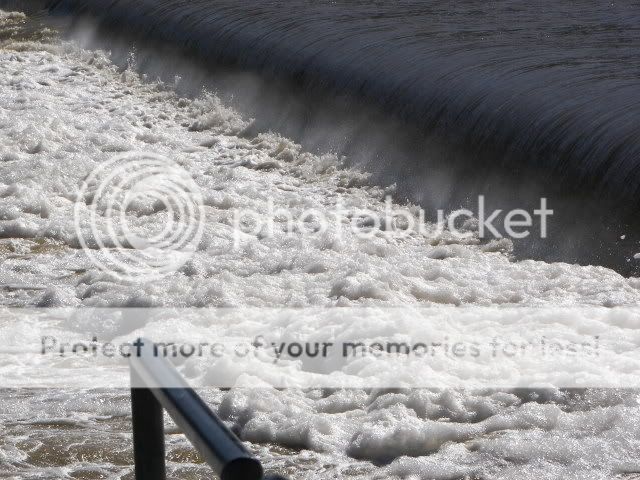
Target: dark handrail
{"points": [[157, 385]]}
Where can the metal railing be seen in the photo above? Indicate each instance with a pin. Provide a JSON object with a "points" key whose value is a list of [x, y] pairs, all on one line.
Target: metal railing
{"points": [[157, 386]]}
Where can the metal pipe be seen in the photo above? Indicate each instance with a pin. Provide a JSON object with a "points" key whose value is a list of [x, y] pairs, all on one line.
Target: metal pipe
{"points": [[217, 445]]}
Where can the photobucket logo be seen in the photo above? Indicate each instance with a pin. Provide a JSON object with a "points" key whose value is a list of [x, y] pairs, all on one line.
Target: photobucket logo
{"points": [[139, 216], [392, 222]]}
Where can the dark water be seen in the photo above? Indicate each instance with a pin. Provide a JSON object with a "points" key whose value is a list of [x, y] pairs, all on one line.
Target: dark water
{"points": [[516, 99]]}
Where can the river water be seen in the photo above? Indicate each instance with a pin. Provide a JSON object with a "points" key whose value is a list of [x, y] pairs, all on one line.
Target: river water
{"points": [[66, 110]]}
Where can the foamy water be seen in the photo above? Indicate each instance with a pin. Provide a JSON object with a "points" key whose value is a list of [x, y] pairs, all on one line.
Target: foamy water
{"points": [[64, 111]]}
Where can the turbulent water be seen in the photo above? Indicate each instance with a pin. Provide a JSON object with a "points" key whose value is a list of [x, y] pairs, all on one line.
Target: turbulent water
{"points": [[65, 110], [556, 84], [517, 100]]}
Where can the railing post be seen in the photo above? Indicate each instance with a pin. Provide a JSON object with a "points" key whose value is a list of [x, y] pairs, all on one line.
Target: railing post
{"points": [[148, 433], [163, 388]]}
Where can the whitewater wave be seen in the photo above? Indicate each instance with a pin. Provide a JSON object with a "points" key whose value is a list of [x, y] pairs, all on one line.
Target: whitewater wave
{"points": [[446, 103]]}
